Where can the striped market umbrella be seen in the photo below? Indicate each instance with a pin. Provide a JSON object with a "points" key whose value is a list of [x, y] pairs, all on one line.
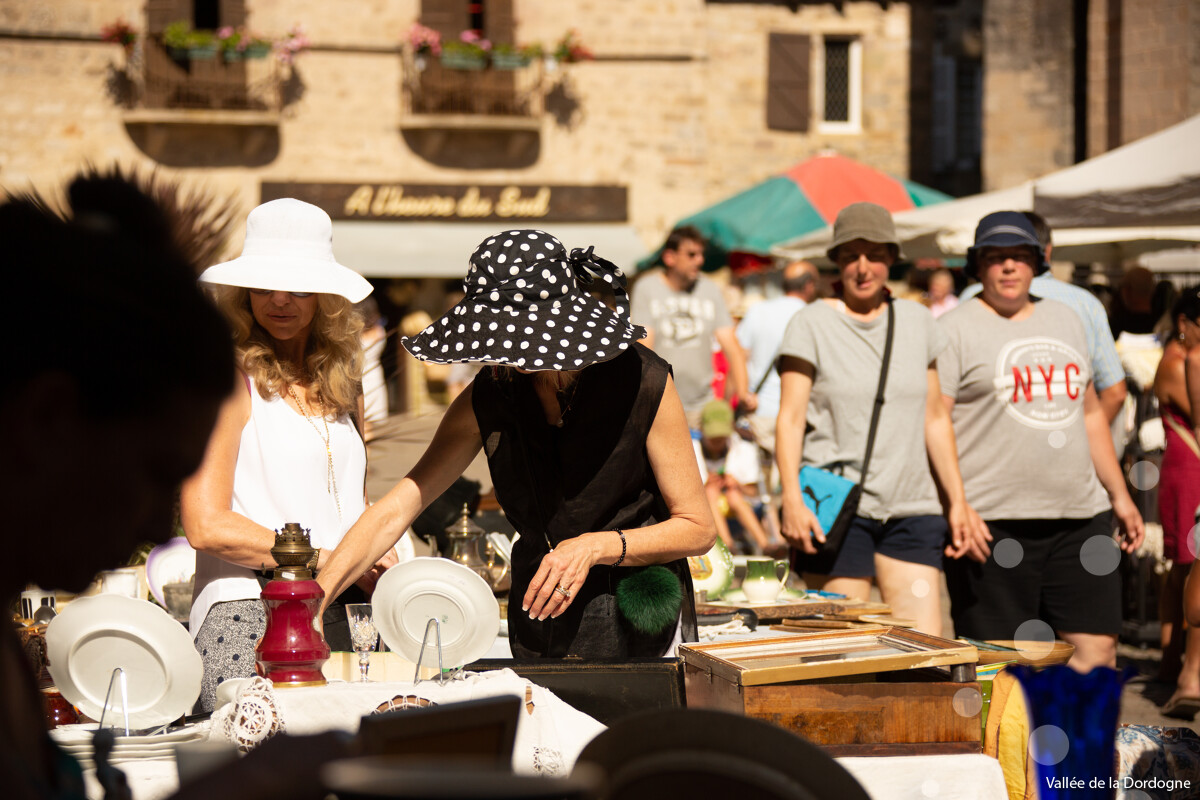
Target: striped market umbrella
{"points": [[806, 197]]}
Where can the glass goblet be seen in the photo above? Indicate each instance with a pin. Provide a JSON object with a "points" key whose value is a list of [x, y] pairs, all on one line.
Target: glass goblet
{"points": [[363, 634]]}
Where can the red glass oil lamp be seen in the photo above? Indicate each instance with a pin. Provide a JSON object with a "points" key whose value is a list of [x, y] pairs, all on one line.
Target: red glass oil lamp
{"points": [[292, 650]]}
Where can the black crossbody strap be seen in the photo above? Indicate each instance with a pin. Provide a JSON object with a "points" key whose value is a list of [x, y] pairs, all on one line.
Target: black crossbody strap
{"points": [[883, 371]]}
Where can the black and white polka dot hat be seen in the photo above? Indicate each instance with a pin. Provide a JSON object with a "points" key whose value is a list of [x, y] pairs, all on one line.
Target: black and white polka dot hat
{"points": [[526, 306]]}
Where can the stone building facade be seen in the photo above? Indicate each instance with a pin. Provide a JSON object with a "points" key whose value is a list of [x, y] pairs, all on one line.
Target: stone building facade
{"points": [[674, 108], [1065, 80]]}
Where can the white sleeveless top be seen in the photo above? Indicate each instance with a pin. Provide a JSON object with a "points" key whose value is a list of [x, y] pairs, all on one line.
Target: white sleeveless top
{"points": [[282, 476]]}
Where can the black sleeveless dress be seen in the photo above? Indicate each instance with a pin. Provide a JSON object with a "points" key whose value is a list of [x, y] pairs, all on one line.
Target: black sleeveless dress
{"points": [[591, 474]]}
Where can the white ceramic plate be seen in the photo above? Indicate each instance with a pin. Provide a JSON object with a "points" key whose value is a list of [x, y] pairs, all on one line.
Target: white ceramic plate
{"points": [[173, 562], [94, 635], [410, 594]]}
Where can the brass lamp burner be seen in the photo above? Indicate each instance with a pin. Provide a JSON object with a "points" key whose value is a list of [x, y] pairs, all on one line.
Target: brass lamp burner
{"points": [[292, 552]]}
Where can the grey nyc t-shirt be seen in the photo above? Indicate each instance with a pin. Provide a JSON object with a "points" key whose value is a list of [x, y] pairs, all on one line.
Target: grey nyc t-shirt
{"points": [[1018, 389], [847, 354]]}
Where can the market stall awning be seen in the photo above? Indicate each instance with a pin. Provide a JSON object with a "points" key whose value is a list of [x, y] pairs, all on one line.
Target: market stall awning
{"points": [[804, 198], [441, 249], [1137, 198]]}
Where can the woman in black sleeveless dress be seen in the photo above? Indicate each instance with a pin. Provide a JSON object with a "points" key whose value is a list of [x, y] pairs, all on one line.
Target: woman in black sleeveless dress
{"points": [[588, 449]]}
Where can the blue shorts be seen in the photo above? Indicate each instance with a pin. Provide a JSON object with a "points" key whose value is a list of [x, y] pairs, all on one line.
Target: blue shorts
{"points": [[1049, 582], [917, 540]]}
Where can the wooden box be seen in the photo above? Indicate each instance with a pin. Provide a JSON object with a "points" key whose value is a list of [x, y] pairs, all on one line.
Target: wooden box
{"points": [[886, 691]]}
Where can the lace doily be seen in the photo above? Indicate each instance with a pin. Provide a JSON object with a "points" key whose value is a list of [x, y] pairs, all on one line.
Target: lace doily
{"points": [[547, 761], [255, 716]]}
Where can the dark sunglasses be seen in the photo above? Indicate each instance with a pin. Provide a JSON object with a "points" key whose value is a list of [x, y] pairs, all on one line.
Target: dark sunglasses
{"points": [[272, 291]]}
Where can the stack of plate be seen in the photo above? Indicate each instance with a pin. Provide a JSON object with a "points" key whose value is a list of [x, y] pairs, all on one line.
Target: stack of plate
{"points": [[77, 740]]}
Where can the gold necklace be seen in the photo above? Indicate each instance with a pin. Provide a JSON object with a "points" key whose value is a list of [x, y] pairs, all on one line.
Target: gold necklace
{"points": [[331, 481]]}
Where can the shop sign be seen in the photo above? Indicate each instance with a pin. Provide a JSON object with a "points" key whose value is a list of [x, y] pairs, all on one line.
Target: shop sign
{"points": [[465, 203]]}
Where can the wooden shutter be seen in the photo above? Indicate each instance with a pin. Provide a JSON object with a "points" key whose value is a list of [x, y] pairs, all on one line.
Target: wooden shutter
{"points": [[161, 13], [499, 22], [788, 68], [232, 12], [447, 17]]}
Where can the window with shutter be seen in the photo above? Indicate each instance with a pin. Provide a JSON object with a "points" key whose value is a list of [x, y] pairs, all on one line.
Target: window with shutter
{"points": [[788, 68], [840, 85]]}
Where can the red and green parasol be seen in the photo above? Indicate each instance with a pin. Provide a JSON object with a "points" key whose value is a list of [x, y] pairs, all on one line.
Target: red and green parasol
{"points": [[806, 197]]}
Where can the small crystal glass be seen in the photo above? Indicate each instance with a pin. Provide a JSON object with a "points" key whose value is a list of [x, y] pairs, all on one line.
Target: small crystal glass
{"points": [[363, 635]]}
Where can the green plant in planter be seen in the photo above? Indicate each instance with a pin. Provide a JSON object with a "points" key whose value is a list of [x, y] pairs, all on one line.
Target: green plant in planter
{"points": [[469, 51], [239, 43], [507, 56], [181, 40]]}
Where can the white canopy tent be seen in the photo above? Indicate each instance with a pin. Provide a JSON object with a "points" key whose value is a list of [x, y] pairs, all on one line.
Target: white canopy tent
{"points": [[1141, 197], [442, 249]]}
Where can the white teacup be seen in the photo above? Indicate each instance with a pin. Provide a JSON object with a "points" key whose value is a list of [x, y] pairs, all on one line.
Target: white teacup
{"points": [[120, 581]]}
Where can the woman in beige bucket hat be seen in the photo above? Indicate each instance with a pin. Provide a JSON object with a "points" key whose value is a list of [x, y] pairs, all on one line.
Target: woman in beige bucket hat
{"points": [[830, 364]]}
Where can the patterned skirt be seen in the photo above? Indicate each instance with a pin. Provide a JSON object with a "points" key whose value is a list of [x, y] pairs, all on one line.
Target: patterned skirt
{"points": [[226, 644]]}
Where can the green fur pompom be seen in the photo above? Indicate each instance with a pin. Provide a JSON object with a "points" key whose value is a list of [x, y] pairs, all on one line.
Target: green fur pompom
{"points": [[650, 598]]}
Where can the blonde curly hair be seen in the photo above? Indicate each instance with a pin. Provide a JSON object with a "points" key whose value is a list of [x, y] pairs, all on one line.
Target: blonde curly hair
{"points": [[332, 360]]}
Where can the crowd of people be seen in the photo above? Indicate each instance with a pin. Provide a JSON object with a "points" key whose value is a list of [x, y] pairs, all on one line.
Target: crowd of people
{"points": [[977, 432], [1013, 473]]}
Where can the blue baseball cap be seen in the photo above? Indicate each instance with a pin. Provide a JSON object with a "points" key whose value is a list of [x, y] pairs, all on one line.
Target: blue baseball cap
{"points": [[1005, 229]]}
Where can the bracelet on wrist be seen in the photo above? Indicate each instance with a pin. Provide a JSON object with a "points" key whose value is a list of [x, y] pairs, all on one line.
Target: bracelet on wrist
{"points": [[620, 533]]}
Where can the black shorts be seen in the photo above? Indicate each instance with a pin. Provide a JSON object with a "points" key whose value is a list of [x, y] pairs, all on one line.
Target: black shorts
{"points": [[1049, 583], [917, 540]]}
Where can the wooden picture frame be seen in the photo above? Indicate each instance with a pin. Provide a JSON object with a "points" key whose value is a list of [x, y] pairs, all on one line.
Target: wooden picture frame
{"points": [[830, 654]]}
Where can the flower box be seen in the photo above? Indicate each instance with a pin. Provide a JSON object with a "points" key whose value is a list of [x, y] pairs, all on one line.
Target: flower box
{"points": [[509, 60], [467, 61]]}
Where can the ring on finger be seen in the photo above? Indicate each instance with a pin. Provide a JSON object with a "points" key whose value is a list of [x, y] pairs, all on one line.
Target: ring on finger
{"points": [[564, 591]]}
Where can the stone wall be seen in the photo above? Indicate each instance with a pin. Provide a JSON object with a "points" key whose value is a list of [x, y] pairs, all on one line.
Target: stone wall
{"points": [[1150, 74], [1028, 105], [673, 107]]}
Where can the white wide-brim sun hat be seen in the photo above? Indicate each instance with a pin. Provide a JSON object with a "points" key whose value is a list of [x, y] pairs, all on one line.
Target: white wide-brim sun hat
{"points": [[289, 248]]}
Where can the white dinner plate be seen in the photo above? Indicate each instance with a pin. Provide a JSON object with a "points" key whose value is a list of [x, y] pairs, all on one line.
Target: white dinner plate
{"points": [[94, 635], [173, 562], [410, 594]]}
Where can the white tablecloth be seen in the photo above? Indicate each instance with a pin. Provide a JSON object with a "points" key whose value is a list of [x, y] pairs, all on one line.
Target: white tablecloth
{"points": [[957, 777], [962, 777], [550, 736]]}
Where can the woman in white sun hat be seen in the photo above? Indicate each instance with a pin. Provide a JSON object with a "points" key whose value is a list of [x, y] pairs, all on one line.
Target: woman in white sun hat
{"points": [[285, 447], [588, 450]]}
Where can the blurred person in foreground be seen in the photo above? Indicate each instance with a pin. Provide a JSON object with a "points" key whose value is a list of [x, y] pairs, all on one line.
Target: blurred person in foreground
{"points": [[1108, 375], [92, 434], [730, 470], [1178, 499], [683, 312], [1036, 455], [588, 449], [286, 447], [830, 364]]}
